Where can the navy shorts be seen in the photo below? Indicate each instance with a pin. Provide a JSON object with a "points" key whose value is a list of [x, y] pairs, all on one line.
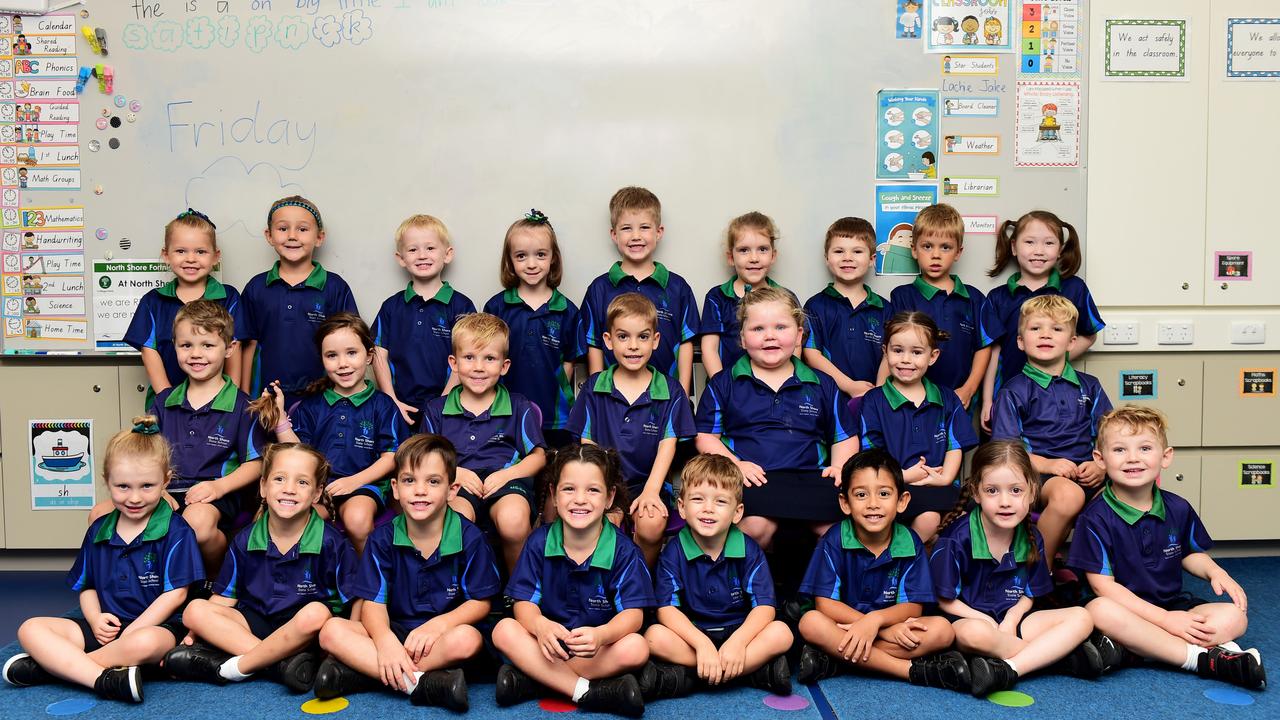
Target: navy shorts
{"points": [[377, 492], [794, 495], [519, 486], [1185, 601], [1089, 492], [228, 506], [719, 635], [173, 625], [263, 625]]}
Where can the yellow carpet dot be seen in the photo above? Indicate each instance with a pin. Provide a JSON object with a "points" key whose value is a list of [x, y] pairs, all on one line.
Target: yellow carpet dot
{"points": [[316, 706]]}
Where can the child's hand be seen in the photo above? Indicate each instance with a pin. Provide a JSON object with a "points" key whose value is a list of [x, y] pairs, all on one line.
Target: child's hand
{"points": [[965, 396], [1063, 468], [343, 486], [421, 639], [934, 477], [833, 472], [106, 627], [406, 411], [584, 642], [1191, 627], [173, 504], [549, 636], [649, 504], [274, 390], [494, 483], [903, 634], [394, 663], [856, 645], [203, 492], [1221, 582], [752, 474], [733, 658], [914, 474], [470, 482], [1090, 473], [986, 417], [709, 668]]}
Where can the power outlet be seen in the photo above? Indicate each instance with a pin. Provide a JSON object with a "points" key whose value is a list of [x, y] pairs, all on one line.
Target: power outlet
{"points": [[1248, 332], [1175, 332], [1121, 333]]}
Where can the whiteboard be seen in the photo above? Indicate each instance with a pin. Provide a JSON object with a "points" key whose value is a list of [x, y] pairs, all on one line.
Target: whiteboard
{"points": [[477, 110]]}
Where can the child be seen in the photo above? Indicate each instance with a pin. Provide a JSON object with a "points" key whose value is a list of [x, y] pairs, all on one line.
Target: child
{"points": [[922, 425], [345, 417], [635, 220], [1047, 251], [716, 606], [847, 319], [1133, 544], [412, 330], [1054, 410], [638, 411], [498, 433], [937, 241], [989, 566], [129, 621], [191, 251], [426, 580], [284, 577], [750, 246], [284, 305], [771, 413], [580, 591], [870, 579], [543, 323]]}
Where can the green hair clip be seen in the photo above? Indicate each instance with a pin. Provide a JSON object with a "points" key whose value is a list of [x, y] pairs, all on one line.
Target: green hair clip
{"points": [[536, 216], [146, 428]]}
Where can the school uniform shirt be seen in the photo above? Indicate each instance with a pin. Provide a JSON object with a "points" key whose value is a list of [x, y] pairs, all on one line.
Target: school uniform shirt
{"points": [[417, 334], [677, 311], [212, 441], [843, 569], [152, 323], [964, 569], [128, 577], [352, 432], [1003, 308], [1055, 417], [959, 313], [715, 593], [586, 594], [316, 569], [414, 588], [938, 426], [720, 317], [603, 416], [283, 319], [791, 429], [852, 338], [543, 339], [497, 438], [1142, 550]]}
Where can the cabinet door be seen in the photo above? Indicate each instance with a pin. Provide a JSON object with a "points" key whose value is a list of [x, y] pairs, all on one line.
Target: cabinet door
{"points": [[1184, 476], [51, 391], [1241, 400], [1240, 497], [133, 392], [1176, 385]]}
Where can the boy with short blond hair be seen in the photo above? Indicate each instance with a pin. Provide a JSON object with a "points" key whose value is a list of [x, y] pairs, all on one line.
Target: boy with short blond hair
{"points": [[497, 433], [412, 331]]}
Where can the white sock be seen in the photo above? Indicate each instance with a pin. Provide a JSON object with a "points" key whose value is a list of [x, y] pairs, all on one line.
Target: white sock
{"points": [[231, 670], [411, 681], [1231, 645], [581, 688], [1012, 667], [1193, 657]]}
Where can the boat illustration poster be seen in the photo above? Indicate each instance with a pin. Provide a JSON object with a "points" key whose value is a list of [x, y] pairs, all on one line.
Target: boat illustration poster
{"points": [[61, 464]]}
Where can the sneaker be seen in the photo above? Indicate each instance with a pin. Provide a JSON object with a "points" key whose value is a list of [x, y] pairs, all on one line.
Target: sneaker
{"points": [[1113, 654], [815, 665], [1237, 668], [660, 680], [988, 675], [1083, 662], [514, 687], [120, 683], [198, 661], [23, 671], [442, 688], [619, 695], [296, 672], [946, 670], [335, 678], [774, 677]]}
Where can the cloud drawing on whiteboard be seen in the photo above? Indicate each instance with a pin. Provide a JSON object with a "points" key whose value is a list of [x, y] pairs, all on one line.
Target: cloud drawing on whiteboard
{"points": [[208, 192]]}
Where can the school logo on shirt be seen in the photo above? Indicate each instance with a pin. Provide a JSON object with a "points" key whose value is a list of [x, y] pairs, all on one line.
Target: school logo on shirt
{"points": [[316, 314], [1084, 400], [735, 591], [600, 600], [306, 586], [364, 440], [149, 578], [873, 334], [441, 329], [940, 435], [1016, 590], [807, 407], [1174, 548], [551, 335], [219, 437], [966, 324], [890, 592]]}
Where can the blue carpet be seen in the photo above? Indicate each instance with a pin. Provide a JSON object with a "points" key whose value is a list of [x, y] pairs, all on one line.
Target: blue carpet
{"points": [[27, 593]]}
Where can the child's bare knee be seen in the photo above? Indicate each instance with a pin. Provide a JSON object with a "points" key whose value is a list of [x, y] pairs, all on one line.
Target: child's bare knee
{"points": [[507, 633], [331, 634], [312, 618], [632, 650]]}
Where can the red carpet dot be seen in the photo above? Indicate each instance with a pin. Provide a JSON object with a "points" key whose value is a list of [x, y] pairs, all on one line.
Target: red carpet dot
{"points": [[556, 705]]}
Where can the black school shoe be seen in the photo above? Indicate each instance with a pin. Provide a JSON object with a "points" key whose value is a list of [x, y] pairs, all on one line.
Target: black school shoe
{"points": [[619, 695], [1238, 668], [1113, 654], [442, 688], [988, 675], [23, 671], [815, 665], [197, 661], [120, 683], [296, 672], [335, 678], [1083, 662], [514, 687], [774, 677], [947, 670], [660, 681]]}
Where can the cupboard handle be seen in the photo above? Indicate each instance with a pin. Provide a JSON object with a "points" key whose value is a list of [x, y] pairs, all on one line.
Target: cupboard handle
{"points": [[1186, 286], [142, 388], [1182, 382], [97, 388], [1178, 477], [1225, 286]]}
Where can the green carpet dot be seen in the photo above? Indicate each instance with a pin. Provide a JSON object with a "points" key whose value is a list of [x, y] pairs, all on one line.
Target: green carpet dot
{"points": [[1011, 698]]}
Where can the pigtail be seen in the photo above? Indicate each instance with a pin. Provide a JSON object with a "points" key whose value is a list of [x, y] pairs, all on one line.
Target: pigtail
{"points": [[1071, 257], [266, 410], [962, 504], [1033, 553], [326, 502], [1004, 247]]}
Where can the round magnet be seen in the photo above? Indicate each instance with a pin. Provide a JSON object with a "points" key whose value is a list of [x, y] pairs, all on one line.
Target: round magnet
{"points": [[95, 145], [135, 105], [101, 234], [98, 190], [101, 123], [130, 117], [114, 143], [125, 244], [115, 121], [110, 255], [121, 100], [106, 112]]}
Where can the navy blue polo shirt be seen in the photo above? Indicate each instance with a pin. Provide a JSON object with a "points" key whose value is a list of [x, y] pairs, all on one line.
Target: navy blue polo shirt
{"points": [[964, 569], [542, 340], [677, 311], [497, 438], [603, 416], [715, 593], [843, 569], [128, 577], [576, 595], [283, 319], [852, 338], [1003, 308], [352, 432], [1055, 417], [959, 313], [417, 334], [720, 317], [416, 589], [791, 429], [260, 578], [212, 441], [1143, 551], [152, 324], [938, 426]]}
